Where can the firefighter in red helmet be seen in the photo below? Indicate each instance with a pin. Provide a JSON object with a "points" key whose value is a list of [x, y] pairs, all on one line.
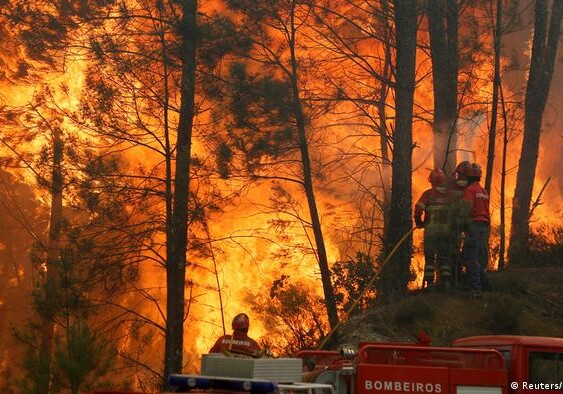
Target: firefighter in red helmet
{"points": [[238, 342], [477, 231], [456, 188], [434, 205], [461, 172]]}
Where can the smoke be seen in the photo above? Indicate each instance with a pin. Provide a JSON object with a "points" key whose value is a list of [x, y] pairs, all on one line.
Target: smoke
{"points": [[15, 265], [469, 130]]}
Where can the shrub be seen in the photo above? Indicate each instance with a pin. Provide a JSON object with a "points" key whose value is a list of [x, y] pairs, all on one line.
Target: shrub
{"points": [[546, 246], [352, 285]]}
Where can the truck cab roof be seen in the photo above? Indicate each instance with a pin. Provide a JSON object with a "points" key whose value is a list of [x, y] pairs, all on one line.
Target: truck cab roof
{"points": [[504, 340]]}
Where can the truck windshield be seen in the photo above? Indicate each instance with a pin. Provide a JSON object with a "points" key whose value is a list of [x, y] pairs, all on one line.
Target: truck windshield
{"points": [[546, 367]]}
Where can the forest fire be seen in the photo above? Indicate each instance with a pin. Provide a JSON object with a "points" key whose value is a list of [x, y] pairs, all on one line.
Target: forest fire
{"points": [[222, 158]]}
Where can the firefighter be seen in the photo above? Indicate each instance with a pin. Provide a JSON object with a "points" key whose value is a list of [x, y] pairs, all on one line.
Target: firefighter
{"points": [[434, 205], [477, 231], [238, 342], [458, 219], [461, 172]]}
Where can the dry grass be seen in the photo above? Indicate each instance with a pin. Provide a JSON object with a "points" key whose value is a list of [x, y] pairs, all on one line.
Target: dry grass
{"points": [[527, 301]]}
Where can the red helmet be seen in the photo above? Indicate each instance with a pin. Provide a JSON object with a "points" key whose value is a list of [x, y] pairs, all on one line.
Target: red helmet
{"points": [[241, 322], [463, 169], [437, 177], [475, 171]]}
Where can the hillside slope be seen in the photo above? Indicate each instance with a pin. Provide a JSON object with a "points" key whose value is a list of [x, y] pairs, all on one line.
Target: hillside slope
{"points": [[527, 301]]}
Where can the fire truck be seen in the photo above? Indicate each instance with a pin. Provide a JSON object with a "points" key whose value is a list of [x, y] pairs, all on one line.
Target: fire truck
{"points": [[499, 364], [474, 365]]}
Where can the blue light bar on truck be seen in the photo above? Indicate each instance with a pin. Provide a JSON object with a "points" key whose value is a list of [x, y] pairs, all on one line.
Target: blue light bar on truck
{"points": [[184, 383]]}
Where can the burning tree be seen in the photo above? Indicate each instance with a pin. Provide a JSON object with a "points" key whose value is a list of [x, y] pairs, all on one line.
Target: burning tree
{"points": [[143, 88], [185, 107], [117, 122], [275, 118], [396, 274], [443, 28], [542, 61]]}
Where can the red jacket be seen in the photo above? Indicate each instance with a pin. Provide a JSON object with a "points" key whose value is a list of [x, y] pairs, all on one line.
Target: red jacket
{"points": [[478, 200], [456, 190], [238, 342], [430, 198]]}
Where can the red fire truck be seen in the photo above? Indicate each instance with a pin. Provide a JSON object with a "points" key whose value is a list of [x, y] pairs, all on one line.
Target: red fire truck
{"points": [[474, 365], [482, 364], [533, 364]]}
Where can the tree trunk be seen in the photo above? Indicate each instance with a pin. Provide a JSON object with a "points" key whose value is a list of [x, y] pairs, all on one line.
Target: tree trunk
{"points": [[382, 114], [178, 226], [494, 111], [53, 256], [396, 274], [443, 29], [330, 300], [502, 225], [544, 49]]}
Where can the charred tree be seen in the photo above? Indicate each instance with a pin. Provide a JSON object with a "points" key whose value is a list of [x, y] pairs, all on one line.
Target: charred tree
{"points": [[330, 300], [51, 282], [443, 27], [544, 49], [141, 93], [177, 227], [497, 31], [342, 32], [396, 274], [502, 224], [42, 32], [270, 116], [138, 94], [385, 87]]}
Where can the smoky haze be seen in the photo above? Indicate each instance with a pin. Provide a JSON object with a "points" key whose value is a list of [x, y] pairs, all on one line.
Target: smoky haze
{"points": [[21, 220]]}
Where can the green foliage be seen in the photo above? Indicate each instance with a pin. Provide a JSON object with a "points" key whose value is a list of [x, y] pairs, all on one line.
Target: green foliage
{"points": [[34, 366], [350, 279], [81, 360], [64, 294], [258, 101], [292, 314], [82, 357], [219, 37], [258, 119]]}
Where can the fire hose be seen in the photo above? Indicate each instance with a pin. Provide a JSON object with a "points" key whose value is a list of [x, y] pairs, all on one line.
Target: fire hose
{"points": [[366, 288]]}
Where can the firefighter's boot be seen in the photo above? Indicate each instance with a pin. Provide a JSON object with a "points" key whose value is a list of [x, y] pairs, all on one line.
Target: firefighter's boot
{"points": [[428, 284]]}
